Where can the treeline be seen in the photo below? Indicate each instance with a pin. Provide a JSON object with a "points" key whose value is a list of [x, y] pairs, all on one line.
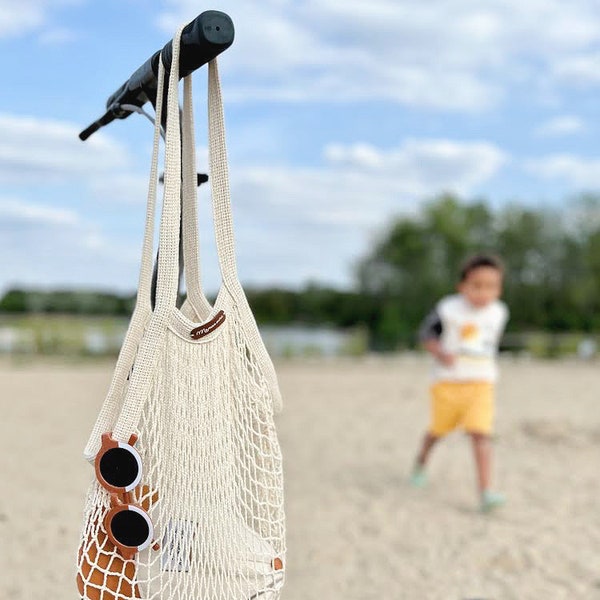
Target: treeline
{"points": [[66, 302], [315, 305], [552, 258]]}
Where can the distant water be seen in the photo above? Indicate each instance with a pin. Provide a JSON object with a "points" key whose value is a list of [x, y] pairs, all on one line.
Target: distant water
{"points": [[294, 340], [92, 339]]}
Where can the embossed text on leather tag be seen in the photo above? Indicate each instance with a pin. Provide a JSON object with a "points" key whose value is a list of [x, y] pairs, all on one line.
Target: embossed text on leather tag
{"points": [[208, 327]]}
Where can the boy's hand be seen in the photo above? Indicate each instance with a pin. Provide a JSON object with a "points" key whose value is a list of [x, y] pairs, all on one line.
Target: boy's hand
{"points": [[446, 359], [435, 348]]}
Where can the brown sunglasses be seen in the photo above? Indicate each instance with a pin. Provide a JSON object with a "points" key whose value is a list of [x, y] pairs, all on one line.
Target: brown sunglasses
{"points": [[119, 470]]}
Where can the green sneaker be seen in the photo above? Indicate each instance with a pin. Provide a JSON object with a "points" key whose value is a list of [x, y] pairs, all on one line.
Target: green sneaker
{"points": [[418, 478], [491, 500]]}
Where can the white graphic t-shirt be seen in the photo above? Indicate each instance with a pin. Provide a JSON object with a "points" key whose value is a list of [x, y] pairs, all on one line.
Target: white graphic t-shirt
{"points": [[469, 333]]}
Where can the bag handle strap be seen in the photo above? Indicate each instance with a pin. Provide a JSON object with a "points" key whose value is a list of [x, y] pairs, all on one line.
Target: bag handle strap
{"points": [[114, 409], [219, 178], [168, 260], [143, 305], [189, 216], [167, 280]]}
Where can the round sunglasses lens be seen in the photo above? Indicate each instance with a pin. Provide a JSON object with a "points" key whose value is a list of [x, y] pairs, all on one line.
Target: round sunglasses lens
{"points": [[130, 528], [119, 467]]}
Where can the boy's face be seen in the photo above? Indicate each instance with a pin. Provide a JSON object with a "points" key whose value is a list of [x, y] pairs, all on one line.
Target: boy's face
{"points": [[481, 286]]}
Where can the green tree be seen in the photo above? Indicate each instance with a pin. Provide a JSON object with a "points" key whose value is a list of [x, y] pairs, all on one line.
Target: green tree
{"points": [[416, 261], [14, 301], [552, 260]]}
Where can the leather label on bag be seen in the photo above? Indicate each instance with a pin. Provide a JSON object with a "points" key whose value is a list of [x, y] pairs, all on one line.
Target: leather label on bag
{"points": [[208, 327]]}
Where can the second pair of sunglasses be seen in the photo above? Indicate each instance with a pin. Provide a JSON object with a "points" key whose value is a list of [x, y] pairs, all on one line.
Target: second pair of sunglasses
{"points": [[119, 470]]}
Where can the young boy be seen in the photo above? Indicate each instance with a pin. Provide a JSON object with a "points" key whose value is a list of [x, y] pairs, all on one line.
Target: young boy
{"points": [[462, 333]]}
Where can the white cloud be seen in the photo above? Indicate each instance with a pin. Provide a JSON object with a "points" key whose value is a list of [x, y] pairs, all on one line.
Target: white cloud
{"points": [[296, 224], [49, 246], [424, 166], [41, 242], [560, 126], [18, 211], [581, 69], [43, 150], [292, 224], [451, 54], [20, 18], [575, 170], [120, 188], [57, 36]]}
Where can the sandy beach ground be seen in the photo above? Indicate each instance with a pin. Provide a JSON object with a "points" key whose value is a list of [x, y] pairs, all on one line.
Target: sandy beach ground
{"points": [[356, 530]]}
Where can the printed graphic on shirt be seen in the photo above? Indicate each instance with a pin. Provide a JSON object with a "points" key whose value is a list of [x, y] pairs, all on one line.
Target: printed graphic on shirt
{"points": [[476, 340], [469, 331], [471, 343]]}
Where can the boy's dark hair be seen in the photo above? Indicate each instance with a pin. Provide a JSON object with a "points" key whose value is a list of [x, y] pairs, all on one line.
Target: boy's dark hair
{"points": [[480, 260]]}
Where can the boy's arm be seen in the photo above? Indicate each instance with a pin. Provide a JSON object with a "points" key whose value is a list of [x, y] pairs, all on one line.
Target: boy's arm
{"points": [[429, 336], [504, 317]]}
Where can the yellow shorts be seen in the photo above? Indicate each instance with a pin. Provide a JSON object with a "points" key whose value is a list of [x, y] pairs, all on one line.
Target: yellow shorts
{"points": [[468, 404]]}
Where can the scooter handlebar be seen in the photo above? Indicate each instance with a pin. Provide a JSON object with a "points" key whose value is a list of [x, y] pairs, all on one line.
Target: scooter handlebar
{"points": [[204, 38]]}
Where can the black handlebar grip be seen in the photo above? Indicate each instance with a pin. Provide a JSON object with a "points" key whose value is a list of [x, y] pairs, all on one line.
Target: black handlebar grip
{"points": [[204, 38]]}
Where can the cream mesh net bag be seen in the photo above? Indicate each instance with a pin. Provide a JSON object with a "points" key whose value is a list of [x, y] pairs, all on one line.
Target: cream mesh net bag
{"points": [[187, 502]]}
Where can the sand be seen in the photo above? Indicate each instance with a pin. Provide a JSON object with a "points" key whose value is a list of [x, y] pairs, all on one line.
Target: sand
{"points": [[356, 530]]}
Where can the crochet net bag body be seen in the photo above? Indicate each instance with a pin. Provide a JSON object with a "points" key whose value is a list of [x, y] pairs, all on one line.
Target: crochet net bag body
{"points": [[198, 390]]}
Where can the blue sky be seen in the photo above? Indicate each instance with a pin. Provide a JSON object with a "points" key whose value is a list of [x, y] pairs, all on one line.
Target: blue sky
{"points": [[341, 114]]}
